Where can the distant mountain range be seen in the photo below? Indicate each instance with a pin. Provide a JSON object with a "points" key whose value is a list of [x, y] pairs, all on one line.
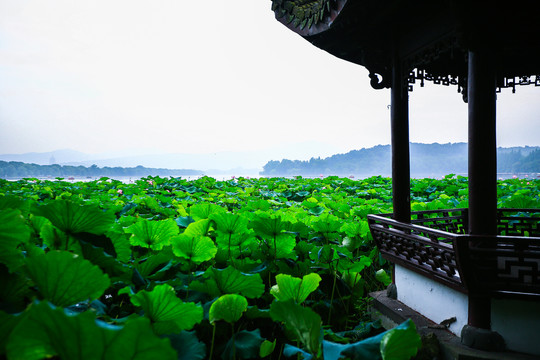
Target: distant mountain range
{"points": [[427, 160], [231, 162]]}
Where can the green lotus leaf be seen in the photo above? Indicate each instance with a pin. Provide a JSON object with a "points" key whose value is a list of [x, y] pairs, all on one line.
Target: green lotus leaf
{"points": [[327, 225], [72, 217], [8, 322], [188, 346], [302, 323], [120, 241], [56, 239], [268, 225], [293, 351], [197, 249], [228, 223], [401, 343], [355, 265], [317, 210], [233, 246], [267, 348], [383, 277], [370, 348], [148, 265], [281, 247], [244, 345], [15, 291], [293, 288], [204, 210], [230, 281], [228, 308], [11, 202], [326, 254], [105, 262], [260, 204], [46, 332], [152, 234], [230, 241], [65, 279], [167, 313], [184, 221], [356, 229], [13, 232], [198, 228]]}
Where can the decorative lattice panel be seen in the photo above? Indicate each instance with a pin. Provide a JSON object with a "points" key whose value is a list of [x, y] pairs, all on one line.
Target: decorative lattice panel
{"points": [[436, 244], [519, 222], [505, 265], [427, 251]]}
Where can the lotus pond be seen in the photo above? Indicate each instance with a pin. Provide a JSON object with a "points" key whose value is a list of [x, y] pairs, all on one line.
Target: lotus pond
{"points": [[166, 268]]}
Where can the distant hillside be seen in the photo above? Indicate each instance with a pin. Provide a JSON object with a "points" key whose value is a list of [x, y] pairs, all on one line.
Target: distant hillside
{"points": [[249, 162], [426, 160], [17, 169]]}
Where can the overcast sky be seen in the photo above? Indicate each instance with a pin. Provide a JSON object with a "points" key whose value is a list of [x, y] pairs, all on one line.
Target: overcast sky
{"points": [[199, 77]]}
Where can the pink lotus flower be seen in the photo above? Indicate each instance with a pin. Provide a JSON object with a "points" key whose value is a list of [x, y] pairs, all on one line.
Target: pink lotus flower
{"points": [[119, 192], [150, 182]]}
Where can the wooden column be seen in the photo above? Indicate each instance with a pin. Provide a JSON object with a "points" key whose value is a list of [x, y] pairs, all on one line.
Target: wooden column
{"points": [[401, 183], [482, 164]]}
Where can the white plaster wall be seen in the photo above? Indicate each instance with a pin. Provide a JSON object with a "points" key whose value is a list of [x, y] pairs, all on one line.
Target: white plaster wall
{"points": [[519, 324], [433, 300]]}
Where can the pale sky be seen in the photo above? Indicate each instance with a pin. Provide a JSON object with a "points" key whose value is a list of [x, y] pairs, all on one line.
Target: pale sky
{"points": [[201, 77]]}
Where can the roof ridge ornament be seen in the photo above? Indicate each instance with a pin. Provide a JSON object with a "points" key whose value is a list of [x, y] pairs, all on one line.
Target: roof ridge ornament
{"points": [[302, 13]]}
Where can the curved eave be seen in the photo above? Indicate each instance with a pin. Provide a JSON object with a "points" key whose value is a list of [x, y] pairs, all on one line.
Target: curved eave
{"points": [[317, 28], [433, 35], [355, 31]]}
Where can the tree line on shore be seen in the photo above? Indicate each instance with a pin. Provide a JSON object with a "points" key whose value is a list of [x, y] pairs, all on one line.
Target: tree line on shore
{"points": [[16, 169], [426, 160]]}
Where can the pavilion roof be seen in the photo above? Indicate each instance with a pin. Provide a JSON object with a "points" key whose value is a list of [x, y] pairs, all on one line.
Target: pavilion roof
{"points": [[430, 37]]}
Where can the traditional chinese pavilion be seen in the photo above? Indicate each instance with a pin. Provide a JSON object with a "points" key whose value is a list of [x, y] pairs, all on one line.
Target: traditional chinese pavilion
{"points": [[479, 264]]}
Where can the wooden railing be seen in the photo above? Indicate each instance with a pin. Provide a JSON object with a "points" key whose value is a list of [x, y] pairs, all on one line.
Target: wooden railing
{"points": [[436, 244]]}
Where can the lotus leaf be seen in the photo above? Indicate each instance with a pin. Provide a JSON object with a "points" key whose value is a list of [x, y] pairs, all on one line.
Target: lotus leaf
{"points": [[244, 345], [230, 281], [13, 232], [72, 217], [46, 332], [65, 279], [152, 234], [302, 324], [289, 287], [204, 210], [167, 313], [401, 343], [197, 249], [228, 308], [188, 346]]}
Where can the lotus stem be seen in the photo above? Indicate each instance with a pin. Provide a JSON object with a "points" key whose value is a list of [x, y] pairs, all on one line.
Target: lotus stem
{"points": [[233, 345], [212, 344]]}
